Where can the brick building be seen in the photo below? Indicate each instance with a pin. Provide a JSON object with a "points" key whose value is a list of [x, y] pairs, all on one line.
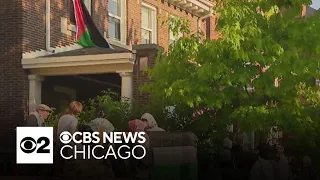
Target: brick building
{"points": [[40, 62]]}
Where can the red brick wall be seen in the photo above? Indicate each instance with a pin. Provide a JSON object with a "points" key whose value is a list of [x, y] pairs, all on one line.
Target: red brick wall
{"points": [[13, 79], [33, 25], [211, 26], [141, 77], [60, 8], [133, 22], [34, 21], [164, 9]]}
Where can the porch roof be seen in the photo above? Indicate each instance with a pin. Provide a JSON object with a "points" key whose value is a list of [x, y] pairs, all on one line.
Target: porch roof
{"points": [[196, 7], [90, 51], [82, 61]]}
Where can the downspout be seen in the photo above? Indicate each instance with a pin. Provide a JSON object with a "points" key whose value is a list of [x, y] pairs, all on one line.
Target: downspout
{"points": [[48, 46], [204, 17]]}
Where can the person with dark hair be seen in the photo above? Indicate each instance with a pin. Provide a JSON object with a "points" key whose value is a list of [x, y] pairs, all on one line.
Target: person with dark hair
{"points": [[225, 157], [307, 172], [101, 124], [263, 168], [281, 166], [237, 153]]}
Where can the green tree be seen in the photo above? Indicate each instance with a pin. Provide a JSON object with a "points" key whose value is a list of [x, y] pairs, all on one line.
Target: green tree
{"points": [[235, 75]]}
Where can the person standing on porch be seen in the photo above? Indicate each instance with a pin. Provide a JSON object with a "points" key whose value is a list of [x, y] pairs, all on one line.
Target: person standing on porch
{"points": [[37, 118], [68, 122]]}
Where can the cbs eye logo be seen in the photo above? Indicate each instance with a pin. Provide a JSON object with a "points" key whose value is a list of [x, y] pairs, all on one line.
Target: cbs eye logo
{"points": [[65, 137], [29, 145]]}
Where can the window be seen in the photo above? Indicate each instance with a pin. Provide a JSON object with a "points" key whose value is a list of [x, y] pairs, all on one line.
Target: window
{"points": [[115, 15], [172, 38], [72, 15], [148, 25]]}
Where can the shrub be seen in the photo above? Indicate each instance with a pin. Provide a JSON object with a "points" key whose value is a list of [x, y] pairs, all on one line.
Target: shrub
{"points": [[118, 112], [53, 118]]}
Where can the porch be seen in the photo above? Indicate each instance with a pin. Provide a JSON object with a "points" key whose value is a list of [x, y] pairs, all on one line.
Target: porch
{"points": [[59, 91], [79, 75]]}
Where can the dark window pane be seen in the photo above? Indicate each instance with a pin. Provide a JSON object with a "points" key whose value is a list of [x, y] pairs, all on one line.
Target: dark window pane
{"points": [[114, 28], [145, 36], [71, 14]]}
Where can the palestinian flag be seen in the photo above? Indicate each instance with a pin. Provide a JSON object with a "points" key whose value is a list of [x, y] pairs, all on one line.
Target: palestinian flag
{"points": [[88, 34]]}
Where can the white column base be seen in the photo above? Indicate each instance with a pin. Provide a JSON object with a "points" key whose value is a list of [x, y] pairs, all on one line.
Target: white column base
{"points": [[34, 91]]}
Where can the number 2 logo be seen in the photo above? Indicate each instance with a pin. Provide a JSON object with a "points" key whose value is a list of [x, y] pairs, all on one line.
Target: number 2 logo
{"points": [[29, 145]]}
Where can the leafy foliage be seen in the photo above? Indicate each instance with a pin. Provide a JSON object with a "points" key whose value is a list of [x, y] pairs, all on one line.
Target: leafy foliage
{"points": [[118, 112], [262, 43], [52, 120]]}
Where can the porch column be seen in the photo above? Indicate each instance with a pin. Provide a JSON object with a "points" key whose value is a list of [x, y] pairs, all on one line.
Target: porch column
{"points": [[126, 85], [34, 91]]}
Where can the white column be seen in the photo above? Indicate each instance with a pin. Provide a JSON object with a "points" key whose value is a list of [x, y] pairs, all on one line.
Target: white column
{"points": [[126, 85], [34, 91]]}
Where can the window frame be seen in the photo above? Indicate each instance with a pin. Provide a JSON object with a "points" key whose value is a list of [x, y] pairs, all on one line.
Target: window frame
{"points": [[122, 19], [116, 17], [153, 22]]}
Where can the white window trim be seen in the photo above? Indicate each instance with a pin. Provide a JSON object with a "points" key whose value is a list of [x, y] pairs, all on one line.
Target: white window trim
{"points": [[116, 42], [153, 22], [72, 27], [123, 23]]}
